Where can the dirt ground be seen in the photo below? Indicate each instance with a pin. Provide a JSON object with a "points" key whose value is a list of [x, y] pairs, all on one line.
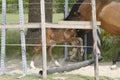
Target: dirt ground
{"points": [[104, 70], [15, 66]]}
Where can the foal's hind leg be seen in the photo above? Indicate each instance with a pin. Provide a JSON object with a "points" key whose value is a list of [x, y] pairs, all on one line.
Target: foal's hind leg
{"points": [[72, 54], [79, 42], [36, 49], [80, 49], [115, 59]]}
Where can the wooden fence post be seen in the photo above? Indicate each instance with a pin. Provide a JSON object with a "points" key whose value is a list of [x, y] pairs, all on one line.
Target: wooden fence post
{"points": [[43, 27], [95, 47]]}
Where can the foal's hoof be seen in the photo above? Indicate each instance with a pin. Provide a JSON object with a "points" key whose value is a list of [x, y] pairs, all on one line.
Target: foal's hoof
{"points": [[32, 65], [113, 67], [57, 63]]}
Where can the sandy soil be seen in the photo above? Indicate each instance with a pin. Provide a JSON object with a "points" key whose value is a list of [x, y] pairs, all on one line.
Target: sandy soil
{"points": [[104, 70], [15, 66]]}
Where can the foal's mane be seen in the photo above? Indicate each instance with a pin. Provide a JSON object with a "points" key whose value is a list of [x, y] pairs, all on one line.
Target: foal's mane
{"points": [[75, 8]]}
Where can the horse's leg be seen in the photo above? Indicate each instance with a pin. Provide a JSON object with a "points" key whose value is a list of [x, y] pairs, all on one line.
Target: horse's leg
{"points": [[115, 59], [72, 54], [80, 50], [36, 49], [79, 42], [79, 54], [49, 49]]}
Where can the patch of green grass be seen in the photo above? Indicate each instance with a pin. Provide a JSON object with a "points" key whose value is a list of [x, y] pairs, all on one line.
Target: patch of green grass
{"points": [[13, 36], [14, 18], [15, 77], [55, 76], [57, 17]]}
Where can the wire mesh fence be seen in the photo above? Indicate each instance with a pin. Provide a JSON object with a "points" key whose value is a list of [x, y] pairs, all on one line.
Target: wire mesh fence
{"points": [[33, 38], [12, 16], [12, 9]]}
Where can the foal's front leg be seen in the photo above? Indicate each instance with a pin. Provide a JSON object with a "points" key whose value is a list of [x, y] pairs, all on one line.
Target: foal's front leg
{"points": [[49, 49], [36, 49]]}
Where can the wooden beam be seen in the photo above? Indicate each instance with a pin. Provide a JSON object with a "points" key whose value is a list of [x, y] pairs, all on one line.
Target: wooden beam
{"points": [[61, 24], [78, 22]]}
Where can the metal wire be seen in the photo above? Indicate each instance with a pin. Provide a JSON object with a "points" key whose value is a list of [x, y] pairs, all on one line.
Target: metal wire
{"points": [[50, 45]]}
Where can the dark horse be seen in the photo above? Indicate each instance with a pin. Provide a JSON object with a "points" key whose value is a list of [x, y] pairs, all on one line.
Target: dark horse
{"points": [[108, 13], [74, 15]]}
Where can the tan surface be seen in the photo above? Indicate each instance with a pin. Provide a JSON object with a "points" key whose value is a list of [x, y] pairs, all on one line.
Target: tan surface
{"points": [[15, 66]]}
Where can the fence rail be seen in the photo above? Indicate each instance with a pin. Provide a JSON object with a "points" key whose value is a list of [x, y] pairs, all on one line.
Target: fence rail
{"points": [[61, 24]]}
